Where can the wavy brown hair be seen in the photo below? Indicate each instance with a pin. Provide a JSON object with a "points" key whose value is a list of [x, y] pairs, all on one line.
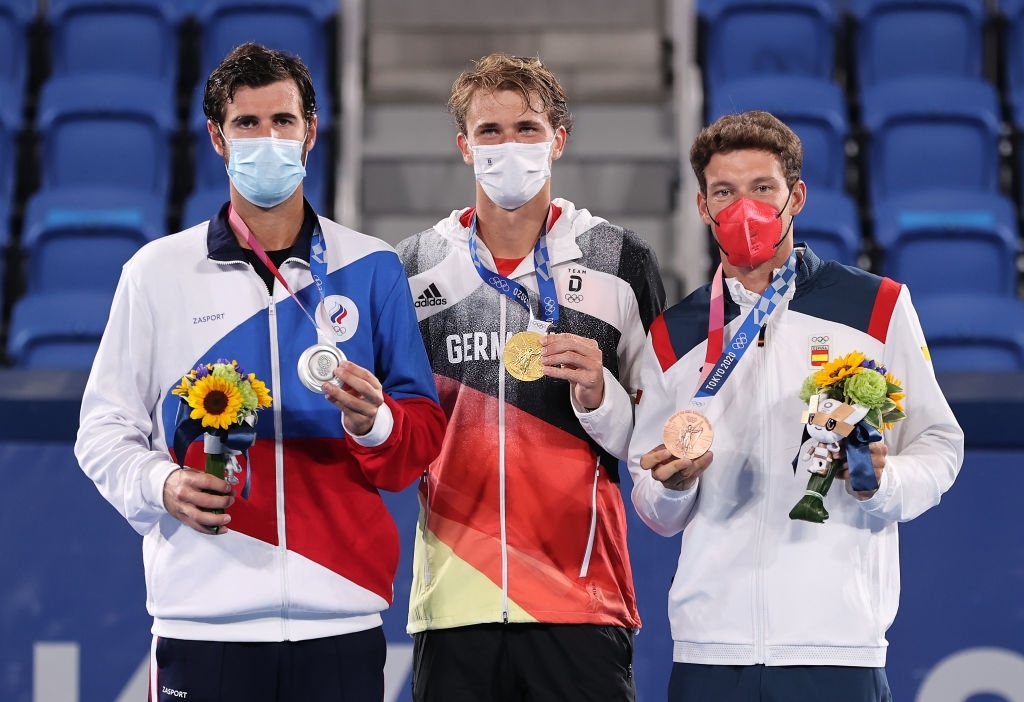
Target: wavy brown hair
{"points": [[252, 65], [748, 130], [526, 76]]}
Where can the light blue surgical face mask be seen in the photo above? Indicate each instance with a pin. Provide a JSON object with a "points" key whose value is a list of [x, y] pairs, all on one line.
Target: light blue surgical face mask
{"points": [[265, 170]]}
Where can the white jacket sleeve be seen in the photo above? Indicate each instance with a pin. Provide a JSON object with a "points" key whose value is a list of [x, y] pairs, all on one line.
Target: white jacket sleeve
{"points": [[926, 449], [113, 445], [610, 424], [663, 510]]}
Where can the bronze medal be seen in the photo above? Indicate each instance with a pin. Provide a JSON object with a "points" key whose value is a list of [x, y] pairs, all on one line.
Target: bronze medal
{"points": [[522, 356], [688, 434]]}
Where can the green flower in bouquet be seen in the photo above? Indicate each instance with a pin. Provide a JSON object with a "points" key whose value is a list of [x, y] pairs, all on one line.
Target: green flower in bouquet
{"points": [[859, 387]]}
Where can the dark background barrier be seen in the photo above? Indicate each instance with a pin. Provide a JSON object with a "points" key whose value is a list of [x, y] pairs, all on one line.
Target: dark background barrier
{"points": [[73, 624]]}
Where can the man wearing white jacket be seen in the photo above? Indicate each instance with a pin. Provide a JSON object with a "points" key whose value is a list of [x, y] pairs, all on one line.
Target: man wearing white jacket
{"points": [[762, 606]]}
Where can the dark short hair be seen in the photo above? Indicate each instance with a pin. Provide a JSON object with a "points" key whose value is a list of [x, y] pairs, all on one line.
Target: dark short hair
{"points": [[756, 129], [252, 65], [526, 76]]}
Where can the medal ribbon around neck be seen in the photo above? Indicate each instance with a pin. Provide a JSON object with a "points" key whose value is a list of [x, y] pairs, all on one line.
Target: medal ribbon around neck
{"points": [[721, 359], [688, 433], [517, 292], [317, 263]]}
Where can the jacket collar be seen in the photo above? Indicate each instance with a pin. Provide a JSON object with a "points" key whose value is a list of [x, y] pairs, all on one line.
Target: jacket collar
{"points": [[561, 239], [223, 246]]}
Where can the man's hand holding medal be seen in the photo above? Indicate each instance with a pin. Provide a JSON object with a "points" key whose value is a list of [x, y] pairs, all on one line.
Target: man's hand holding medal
{"points": [[578, 360], [672, 471]]}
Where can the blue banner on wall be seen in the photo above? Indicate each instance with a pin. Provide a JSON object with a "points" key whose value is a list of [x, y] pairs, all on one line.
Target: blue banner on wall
{"points": [[73, 624]]}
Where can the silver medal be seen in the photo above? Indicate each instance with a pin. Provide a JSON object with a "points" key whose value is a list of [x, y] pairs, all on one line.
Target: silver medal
{"points": [[317, 364]]}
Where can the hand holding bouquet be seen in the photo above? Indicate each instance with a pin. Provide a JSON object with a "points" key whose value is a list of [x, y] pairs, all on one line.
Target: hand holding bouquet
{"points": [[221, 400], [848, 402]]}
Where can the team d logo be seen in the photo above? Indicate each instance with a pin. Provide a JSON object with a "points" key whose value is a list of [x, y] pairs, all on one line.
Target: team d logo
{"points": [[340, 315]]}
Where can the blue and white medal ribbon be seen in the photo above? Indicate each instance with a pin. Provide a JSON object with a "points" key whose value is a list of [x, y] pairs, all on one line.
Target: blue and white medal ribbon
{"points": [[517, 292], [521, 353], [688, 433]]}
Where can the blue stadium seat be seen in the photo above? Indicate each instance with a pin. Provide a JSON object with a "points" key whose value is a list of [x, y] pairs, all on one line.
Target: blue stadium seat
{"points": [[5, 240], [16, 17], [301, 27], [949, 240], [814, 108], [900, 38], [1015, 102], [111, 36], [208, 166], [5, 226], [1012, 12], [102, 129], [752, 37], [202, 205], [830, 225], [59, 329], [78, 238], [973, 332], [11, 126], [931, 132]]}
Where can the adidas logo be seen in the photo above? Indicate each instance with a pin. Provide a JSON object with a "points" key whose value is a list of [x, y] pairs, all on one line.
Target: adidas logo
{"points": [[431, 297]]}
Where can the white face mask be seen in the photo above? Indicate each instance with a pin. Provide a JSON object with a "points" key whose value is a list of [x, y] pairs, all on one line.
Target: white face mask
{"points": [[512, 173], [265, 170]]}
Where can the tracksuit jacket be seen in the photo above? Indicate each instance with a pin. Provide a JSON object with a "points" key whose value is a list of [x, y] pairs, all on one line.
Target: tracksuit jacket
{"points": [[753, 586], [313, 551], [521, 517]]}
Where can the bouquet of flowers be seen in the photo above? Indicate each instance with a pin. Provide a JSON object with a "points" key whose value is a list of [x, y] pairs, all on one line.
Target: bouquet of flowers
{"points": [[221, 400], [849, 400]]}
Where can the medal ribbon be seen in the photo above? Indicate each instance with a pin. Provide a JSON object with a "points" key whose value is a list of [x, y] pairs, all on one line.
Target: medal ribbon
{"points": [[515, 291], [714, 375], [317, 261]]}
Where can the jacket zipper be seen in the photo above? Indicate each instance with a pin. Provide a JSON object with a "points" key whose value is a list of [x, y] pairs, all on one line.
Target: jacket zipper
{"points": [[426, 523], [501, 467], [585, 567], [282, 539], [759, 583]]}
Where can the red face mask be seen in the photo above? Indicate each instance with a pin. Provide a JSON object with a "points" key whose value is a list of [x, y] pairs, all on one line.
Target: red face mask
{"points": [[749, 231]]}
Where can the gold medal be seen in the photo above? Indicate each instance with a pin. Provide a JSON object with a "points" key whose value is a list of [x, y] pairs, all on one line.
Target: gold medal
{"points": [[688, 434], [522, 356]]}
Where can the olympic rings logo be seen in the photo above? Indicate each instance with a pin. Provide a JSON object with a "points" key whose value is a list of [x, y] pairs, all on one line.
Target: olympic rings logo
{"points": [[550, 305], [819, 339], [499, 283], [740, 341], [574, 298]]}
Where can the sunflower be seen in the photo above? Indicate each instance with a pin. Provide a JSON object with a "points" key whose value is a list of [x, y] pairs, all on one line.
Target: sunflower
{"points": [[184, 387], [216, 401], [839, 369], [262, 393]]}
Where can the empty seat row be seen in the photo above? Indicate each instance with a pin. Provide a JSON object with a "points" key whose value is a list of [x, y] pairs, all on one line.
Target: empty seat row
{"points": [[889, 38], [142, 36]]}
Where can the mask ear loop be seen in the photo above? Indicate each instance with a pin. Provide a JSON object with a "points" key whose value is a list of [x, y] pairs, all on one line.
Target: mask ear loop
{"points": [[779, 216], [708, 210]]}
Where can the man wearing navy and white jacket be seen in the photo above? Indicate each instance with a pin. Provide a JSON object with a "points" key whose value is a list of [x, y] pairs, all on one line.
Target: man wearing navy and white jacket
{"points": [[284, 601], [763, 607]]}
